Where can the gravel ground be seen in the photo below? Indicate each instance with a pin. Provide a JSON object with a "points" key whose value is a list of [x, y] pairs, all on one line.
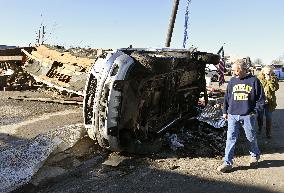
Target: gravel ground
{"points": [[14, 111], [188, 169], [23, 120]]}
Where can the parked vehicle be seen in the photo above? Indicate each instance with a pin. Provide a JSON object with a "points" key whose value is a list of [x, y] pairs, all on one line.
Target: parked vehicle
{"points": [[258, 67], [212, 71], [228, 69], [279, 71]]}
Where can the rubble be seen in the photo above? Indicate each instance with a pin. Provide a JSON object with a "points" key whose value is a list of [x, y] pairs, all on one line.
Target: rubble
{"points": [[12, 76], [76, 101], [63, 69], [200, 139], [174, 142], [19, 164], [214, 92], [47, 173], [114, 160], [213, 116]]}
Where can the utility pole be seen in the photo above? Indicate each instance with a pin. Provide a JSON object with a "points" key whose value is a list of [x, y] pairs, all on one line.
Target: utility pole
{"points": [[172, 23], [43, 34]]}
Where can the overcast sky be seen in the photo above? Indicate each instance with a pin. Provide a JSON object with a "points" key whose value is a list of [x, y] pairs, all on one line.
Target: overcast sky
{"points": [[247, 27]]}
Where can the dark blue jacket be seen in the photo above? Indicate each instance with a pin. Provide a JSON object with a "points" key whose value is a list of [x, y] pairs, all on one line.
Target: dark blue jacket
{"points": [[244, 96]]}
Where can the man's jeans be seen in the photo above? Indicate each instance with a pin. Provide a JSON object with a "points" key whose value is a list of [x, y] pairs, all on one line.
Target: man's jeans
{"points": [[235, 122]]}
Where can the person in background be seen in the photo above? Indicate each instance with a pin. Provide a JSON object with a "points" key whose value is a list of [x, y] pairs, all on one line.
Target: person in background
{"points": [[270, 84], [244, 97]]}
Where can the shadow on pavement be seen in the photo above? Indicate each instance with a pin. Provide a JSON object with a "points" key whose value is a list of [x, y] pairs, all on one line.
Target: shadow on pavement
{"points": [[276, 143], [7, 141], [262, 164], [140, 177]]}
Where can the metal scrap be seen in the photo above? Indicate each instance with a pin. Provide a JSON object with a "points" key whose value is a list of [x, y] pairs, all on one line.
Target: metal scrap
{"points": [[212, 116]]}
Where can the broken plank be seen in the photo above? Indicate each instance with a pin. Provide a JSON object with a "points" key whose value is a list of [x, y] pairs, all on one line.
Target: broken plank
{"points": [[61, 101]]}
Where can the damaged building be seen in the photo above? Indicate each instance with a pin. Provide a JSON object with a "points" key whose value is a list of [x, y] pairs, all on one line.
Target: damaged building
{"points": [[12, 75]]}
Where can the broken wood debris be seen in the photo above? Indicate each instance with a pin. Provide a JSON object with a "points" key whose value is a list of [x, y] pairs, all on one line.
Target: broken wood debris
{"points": [[114, 160], [60, 68], [50, 100], [12, 76]]}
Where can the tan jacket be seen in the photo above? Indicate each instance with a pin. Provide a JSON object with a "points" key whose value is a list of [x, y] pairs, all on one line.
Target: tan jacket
{"points": [[269, 86]]}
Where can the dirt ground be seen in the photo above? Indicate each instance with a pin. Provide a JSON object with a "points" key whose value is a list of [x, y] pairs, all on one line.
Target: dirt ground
{"points": [[166, 171], [21, 120]]}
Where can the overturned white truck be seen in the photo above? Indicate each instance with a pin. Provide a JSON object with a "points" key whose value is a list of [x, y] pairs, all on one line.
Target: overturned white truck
{"points": [[132, 96]]}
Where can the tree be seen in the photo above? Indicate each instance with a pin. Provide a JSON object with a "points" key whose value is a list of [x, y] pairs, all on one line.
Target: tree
{"points": [[277, 61], [258, 61]]}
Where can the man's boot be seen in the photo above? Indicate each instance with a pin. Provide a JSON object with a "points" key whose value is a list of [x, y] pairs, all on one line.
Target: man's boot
{"points": [[268, 127], [260, 123]]}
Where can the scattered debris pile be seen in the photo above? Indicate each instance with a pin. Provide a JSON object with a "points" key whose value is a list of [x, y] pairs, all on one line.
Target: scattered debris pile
{"points": [[215, 93], [205, 135], [12, 76], [60, 68], [69, 101], [212, 115]]}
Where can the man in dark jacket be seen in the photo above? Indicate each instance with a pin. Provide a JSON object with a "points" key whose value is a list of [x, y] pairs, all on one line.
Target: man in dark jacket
{"points": [[243, 99]]}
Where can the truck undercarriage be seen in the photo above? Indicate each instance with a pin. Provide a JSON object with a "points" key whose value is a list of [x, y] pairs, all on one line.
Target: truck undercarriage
{"points": [[132, 96]]}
